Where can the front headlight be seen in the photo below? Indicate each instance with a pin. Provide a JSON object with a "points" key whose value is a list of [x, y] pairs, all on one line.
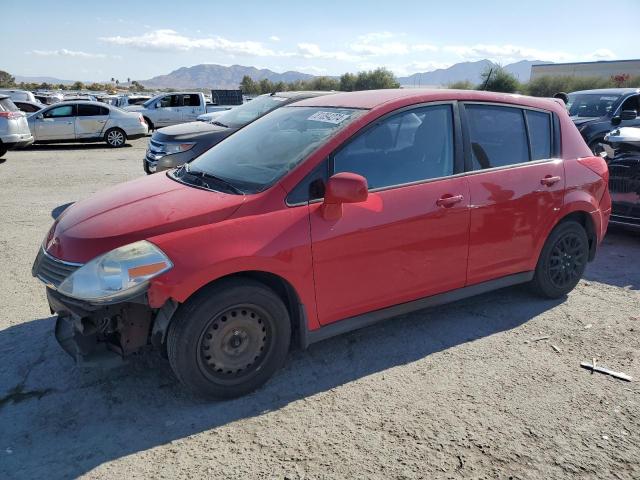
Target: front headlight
{"points": [[119, 273], [170, 148]]}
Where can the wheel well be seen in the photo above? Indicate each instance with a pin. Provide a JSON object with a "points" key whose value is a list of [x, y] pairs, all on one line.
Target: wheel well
{"points": [[149, 122], [584, 219], [283, 289]]}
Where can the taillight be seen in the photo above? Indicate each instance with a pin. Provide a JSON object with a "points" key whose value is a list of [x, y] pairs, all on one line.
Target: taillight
{"points": [[141, 119], [11, 114], [597, 165]]}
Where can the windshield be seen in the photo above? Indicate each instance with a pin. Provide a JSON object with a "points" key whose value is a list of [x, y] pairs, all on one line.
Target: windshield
{"points": [[591, 104], [258, 155], [248, 112]]}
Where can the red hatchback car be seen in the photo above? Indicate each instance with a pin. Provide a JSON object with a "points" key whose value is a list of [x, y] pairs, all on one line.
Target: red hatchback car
{"points": [[322, 217]]}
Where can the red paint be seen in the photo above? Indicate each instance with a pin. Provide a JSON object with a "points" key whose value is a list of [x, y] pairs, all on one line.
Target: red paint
{"points": [[389, 247]]}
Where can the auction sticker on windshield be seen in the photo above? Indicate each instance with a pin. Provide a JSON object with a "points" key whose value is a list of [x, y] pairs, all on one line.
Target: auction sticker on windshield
{"points": [[329, 117]]}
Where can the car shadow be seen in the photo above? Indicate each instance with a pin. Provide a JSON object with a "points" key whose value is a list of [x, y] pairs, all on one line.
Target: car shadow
{"points": [[56, 212], [72, 146], [61, 421], [616, 259]]}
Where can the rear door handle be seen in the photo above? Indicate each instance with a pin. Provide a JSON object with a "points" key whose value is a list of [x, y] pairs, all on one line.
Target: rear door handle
{"points": [[448, 201], [550, 180]]}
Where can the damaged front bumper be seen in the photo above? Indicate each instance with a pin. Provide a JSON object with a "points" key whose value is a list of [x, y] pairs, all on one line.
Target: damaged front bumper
{"points": [[98, 333]]}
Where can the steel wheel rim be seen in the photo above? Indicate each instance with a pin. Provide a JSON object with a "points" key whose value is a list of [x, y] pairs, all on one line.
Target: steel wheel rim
{"points": [[235, 343], [115, 138], [567, 260]]}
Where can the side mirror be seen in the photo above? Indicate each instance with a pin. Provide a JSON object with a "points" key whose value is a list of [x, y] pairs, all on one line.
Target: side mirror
{"points": [[158, 104], [39, 116], [343, 188], [628, 114], [615, 121]]}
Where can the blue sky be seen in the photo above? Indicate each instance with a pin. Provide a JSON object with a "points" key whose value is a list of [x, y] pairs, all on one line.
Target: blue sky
{"points": [[96, 41]]}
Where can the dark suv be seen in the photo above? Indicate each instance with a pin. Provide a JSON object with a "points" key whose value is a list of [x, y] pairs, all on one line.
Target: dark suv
{"points": [[172, 146], [593, 111]]}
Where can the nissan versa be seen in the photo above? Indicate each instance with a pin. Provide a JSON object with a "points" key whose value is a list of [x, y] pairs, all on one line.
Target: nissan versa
{"points": [[322, 217]]}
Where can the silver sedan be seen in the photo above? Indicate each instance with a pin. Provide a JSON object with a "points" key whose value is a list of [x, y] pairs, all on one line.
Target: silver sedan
{"points": [[86, 121]]}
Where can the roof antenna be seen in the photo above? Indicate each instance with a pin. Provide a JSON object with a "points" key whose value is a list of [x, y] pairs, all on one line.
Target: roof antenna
{"points": [[484, 87]]}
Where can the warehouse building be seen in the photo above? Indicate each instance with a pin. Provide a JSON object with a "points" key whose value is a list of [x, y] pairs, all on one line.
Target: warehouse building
{"points": [[604, 69]]}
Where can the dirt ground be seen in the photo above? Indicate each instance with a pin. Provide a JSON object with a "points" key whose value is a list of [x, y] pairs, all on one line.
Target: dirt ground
{"points": [[462, 391]]}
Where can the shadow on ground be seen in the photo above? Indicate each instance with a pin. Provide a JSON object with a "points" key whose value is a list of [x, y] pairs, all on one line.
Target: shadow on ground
{"points": [[616, 262], [62, 422]]}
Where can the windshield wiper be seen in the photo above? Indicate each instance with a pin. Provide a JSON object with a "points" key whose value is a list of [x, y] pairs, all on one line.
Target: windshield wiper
{"points": [[209, 176], [220, 124]]}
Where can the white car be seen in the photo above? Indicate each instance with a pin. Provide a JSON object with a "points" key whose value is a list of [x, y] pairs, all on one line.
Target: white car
{"points": [[14, 130], [86, 122]]}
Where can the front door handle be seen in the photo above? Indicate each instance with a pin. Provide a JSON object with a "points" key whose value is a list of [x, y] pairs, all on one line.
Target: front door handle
{"points": [[448, 201], [550, 180]]}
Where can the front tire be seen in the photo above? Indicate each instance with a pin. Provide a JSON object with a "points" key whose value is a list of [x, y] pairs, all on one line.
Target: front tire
{"points": [[3, 150], [229, 339], [115, 137], [562, 261]]}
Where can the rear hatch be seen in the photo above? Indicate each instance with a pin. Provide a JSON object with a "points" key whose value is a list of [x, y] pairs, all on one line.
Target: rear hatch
{"points": [[16, 120]]}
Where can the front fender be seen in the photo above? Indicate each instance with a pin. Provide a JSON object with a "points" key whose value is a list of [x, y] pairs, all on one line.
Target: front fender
{"points": [[277, 243]]}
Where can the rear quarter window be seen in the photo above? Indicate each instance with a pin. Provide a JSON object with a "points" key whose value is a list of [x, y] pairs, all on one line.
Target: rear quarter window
{"points": [[7, 105], [539, 124]]}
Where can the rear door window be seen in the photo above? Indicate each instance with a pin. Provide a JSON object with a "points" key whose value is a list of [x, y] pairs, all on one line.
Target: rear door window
{"points": [[498, 136], [191, 100], [92, 110], [539, 124]]}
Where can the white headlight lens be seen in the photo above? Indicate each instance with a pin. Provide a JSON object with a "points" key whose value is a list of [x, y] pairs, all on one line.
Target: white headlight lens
{"points": [[117, 273]]}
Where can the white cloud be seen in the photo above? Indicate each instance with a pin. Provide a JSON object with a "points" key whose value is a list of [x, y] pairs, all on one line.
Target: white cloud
{"points": [[310, 69], [505, 52], [602, 54], [311, 50], [379, 44], [274, 38], [170, 40], [63, 52]]}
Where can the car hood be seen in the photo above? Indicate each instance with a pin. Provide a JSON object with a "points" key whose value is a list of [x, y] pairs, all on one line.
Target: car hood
{"points": [[133, 211], [582, 120], [192, 131]]}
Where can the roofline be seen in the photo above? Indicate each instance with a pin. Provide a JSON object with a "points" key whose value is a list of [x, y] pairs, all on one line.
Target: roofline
{"points": [[584, 63]]}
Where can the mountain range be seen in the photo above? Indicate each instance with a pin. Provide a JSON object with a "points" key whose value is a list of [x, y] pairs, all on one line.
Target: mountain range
{"points": [[219, 76]]}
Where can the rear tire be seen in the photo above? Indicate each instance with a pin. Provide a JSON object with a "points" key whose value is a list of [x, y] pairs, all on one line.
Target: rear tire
{"points": [[229, 339], [115, 137], [562, 261]]}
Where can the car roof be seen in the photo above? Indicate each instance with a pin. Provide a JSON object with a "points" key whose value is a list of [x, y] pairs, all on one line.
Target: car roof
{"points": [[369, 99], [610, 91]]}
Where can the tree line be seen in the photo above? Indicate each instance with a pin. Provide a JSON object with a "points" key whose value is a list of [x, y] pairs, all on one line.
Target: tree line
{"points": [[497, 79], [8, 81], [349, 82]]}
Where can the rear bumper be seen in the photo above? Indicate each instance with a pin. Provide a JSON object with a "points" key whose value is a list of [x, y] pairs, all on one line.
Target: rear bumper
{"points": [[16, 140]]}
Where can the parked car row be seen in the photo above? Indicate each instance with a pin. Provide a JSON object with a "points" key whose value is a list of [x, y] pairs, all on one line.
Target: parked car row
{"points": [[321, 216]]}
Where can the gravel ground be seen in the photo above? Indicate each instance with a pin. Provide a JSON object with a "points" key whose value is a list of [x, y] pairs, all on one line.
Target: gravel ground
{"points": [[464, 390]]}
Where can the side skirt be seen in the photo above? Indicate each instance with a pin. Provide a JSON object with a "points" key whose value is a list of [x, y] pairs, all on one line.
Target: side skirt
{"points": [[360, 321]]}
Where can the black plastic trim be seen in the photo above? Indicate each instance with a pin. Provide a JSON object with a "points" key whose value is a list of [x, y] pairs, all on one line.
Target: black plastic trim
{"points": [[367, 319]]}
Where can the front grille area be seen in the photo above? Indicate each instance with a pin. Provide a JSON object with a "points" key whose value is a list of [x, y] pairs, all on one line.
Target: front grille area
{"points": [[51, 270]]}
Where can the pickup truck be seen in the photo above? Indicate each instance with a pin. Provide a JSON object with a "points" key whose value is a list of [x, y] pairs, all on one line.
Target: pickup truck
{"points": [[171, 108]]}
